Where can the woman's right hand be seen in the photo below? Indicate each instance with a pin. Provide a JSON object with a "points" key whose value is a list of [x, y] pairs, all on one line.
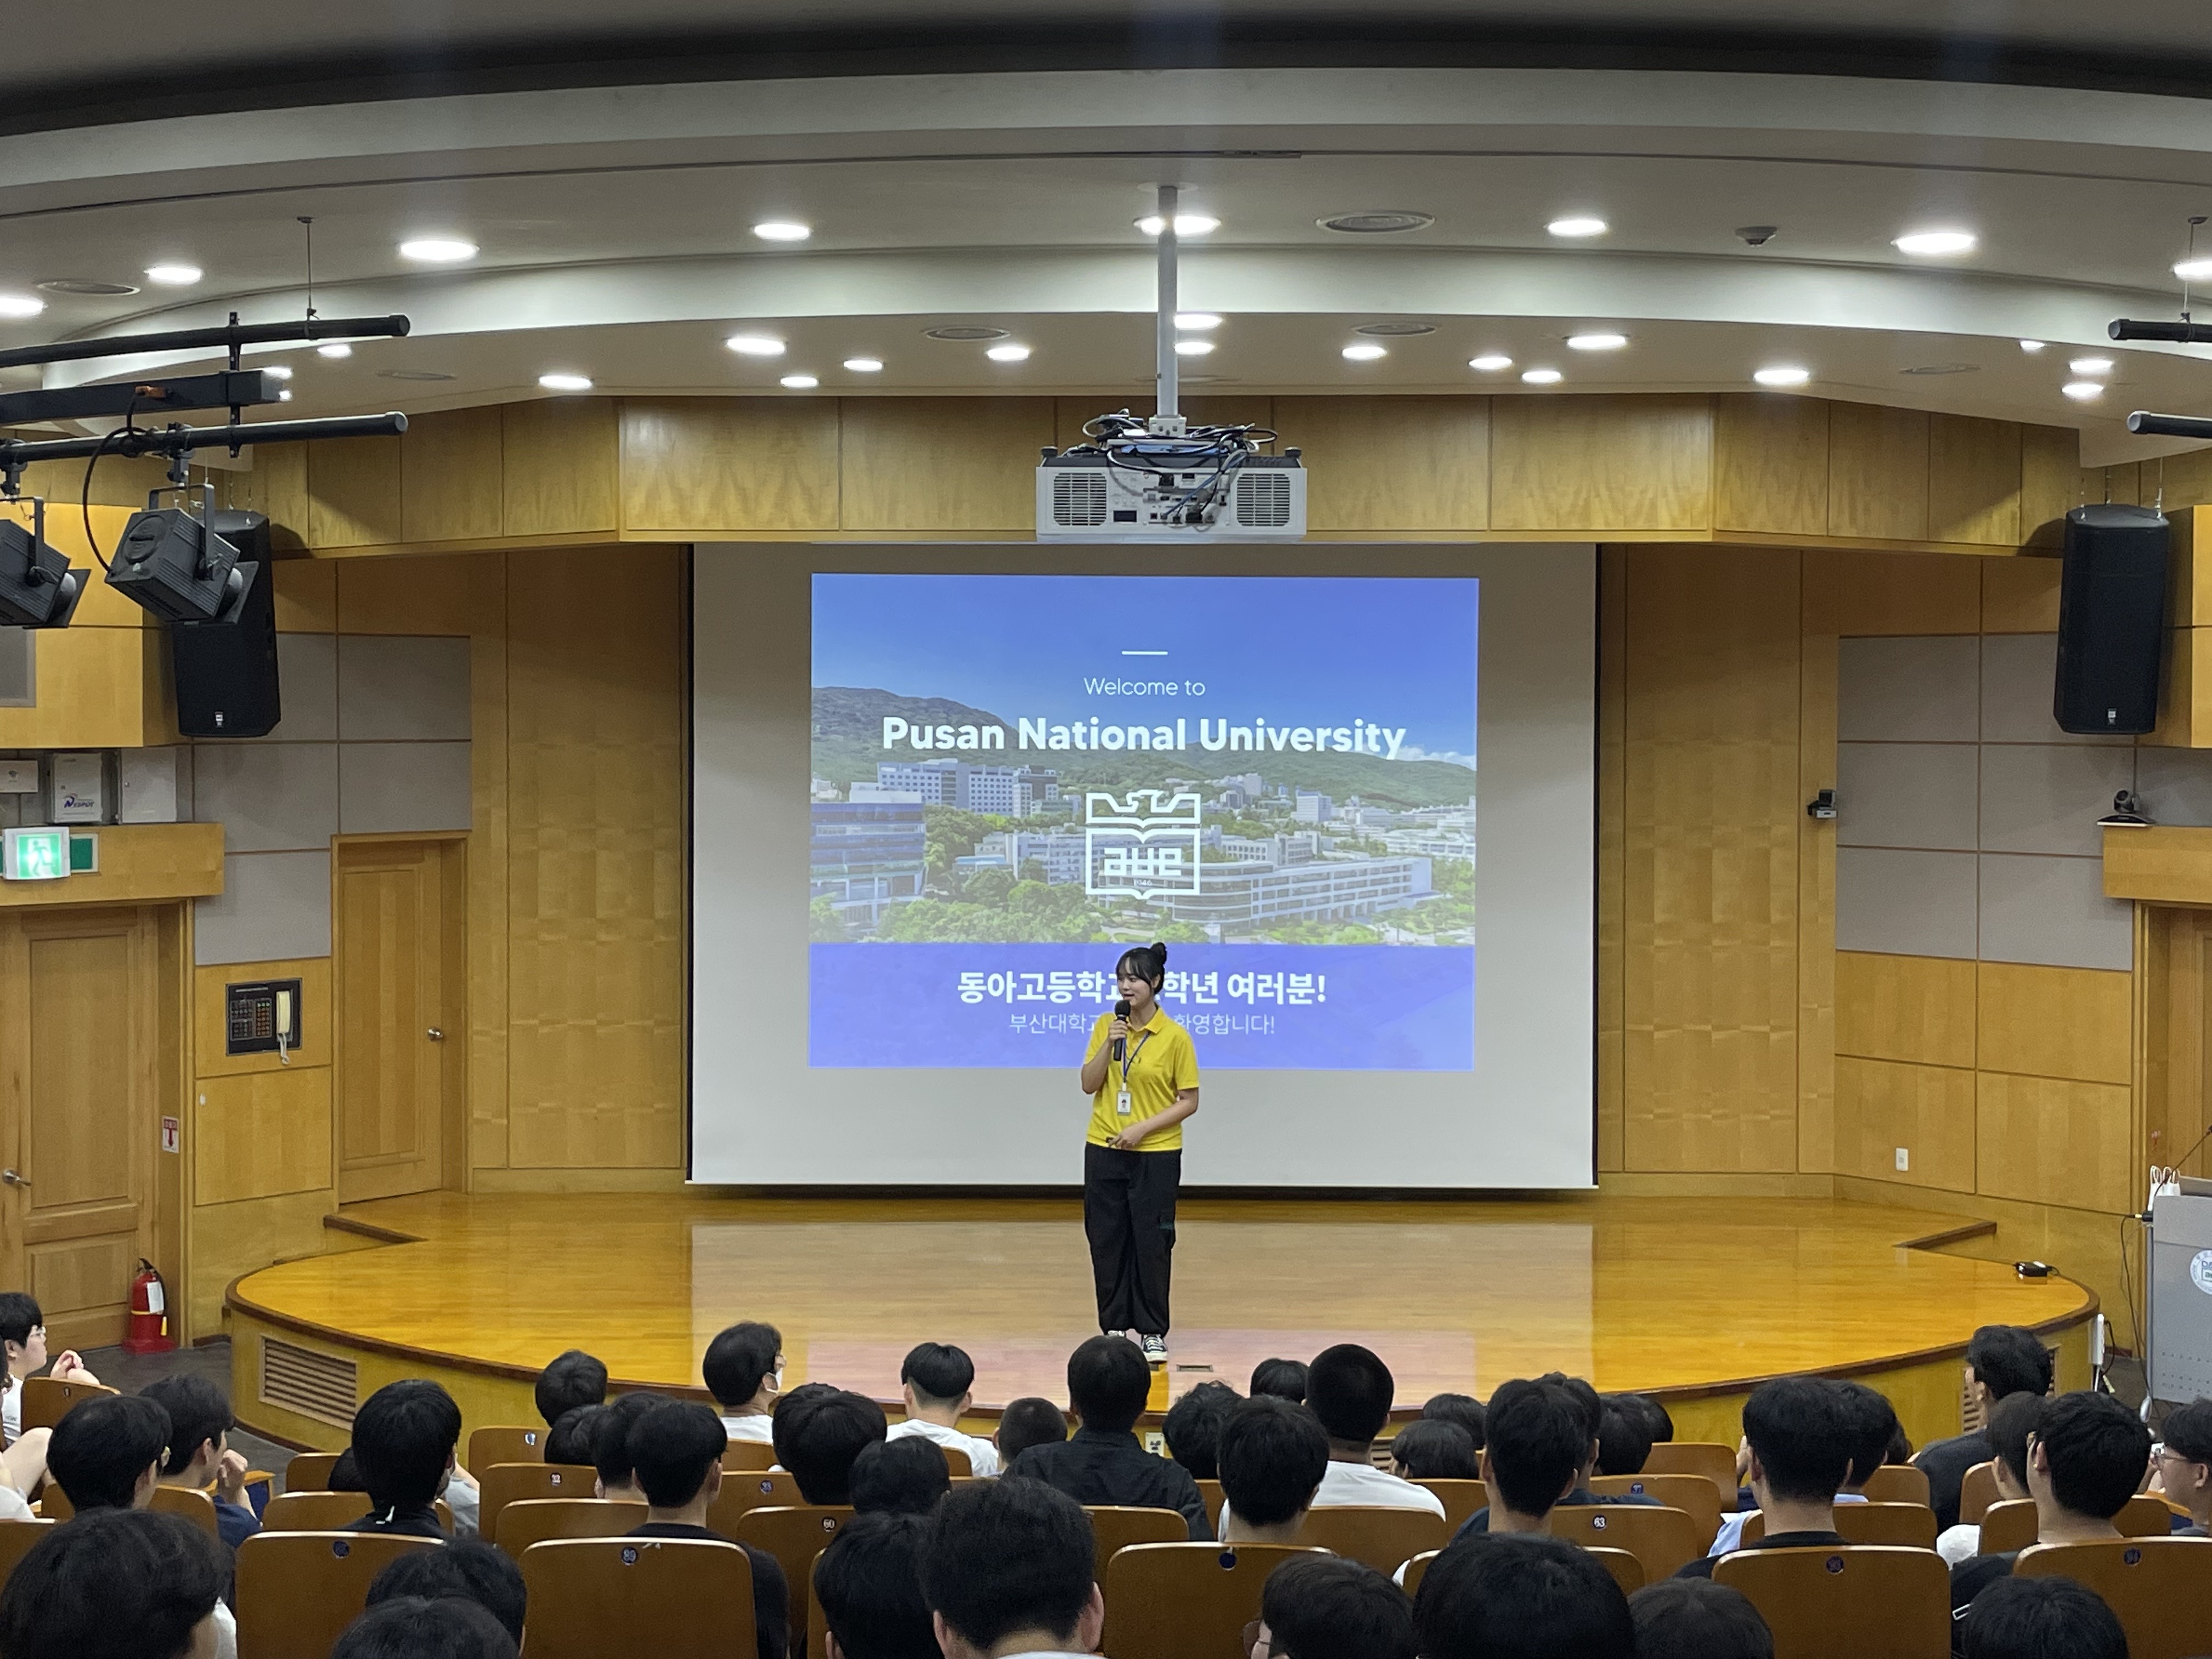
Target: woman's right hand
{"points": [[1118, 1029]]}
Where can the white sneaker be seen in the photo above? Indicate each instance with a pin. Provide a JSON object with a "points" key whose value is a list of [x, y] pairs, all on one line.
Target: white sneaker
{"points": [[1155, 1347]]}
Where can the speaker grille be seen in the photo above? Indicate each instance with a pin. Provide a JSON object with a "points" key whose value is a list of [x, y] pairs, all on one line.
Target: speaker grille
{"points": [[317, 1385], [1262, 500], [1078, 500]]}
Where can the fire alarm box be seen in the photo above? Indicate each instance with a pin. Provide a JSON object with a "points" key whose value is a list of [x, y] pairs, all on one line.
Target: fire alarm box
{"points": [[262, 1018]]}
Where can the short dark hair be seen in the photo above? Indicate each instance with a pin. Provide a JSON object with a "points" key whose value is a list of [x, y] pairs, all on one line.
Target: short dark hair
{"points": [[2040, 1618], [1802, 1432], [1108, 1382], [1433, 1449], [569, 1440], [610, 1434], [1585, 1398], [1697, 1619], [1031, 1420], [1520, 1595], [1323, 1607], [101, 1448], [2188, 1430], [114, 1583], [1350, 1389], [468, 1568], [198, 1412], [1007, 1555], [869, 1581], [1663, 1424], [1876, 1420], [1536, 1444], [570, 1380], [2098, 1450], [672, 1451], [1463, 1409], [1273, 1456], [905, 1476], [345, 1474], [937, 1370], [818, 1438], [2012, 1420], [402, 1437], [1283, 1379], [1623, 1439], [19, 1317], [410, 1627], [740, 1359], [2009, 1360], [780, 1415], [1193, 1428]]}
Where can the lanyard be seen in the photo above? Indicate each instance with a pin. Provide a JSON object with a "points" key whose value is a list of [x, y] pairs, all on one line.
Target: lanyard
{"points": [[1130, 1058]]}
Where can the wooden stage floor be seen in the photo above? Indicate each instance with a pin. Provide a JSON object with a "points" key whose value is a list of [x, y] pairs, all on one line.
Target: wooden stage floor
{"points": [[1691, 1298]]}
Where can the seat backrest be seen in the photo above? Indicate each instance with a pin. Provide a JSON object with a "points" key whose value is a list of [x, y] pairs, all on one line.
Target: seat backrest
{"points": [[1116, 1528], [314, 1512], [1978, 1490], [1709, 1458], [1384, 1539], [298, 1590], [1627, 1572], [741, 1455], [1211, 1495], [1848, 1601], [16, 1538], [506, 1483], [1691, 1493], [196, 1507], [45, 1402], [749, 1490], [1185, 1600], [311, 1471], [1461, 1498], [53, 1502], [674, 1598], [1908, 1526], [1662, 1538], [794, 1536], [958, 1461], [525, 1443], [2159, 1589], [2009, 1524], [2144, 1516], [1897, 1483], [1416, 1570], [529, 1520]]}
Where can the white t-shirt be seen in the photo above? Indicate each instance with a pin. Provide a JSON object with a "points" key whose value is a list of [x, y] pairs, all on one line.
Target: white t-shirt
{"points": [[1346, 1486], [1960, 1543], [1730, 1536], [761, 1430], [983, 1455], [467, 1505], [226, 1632], [11, 1410]]}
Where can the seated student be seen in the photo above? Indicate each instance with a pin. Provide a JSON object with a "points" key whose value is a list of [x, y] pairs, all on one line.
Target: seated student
{"points": [[1350, 1389], [1663, 1425], [1587, 1401], [106, 1454], [1029, 1421], [1697, 1619], [1108, 1383], [345, 1474], [903, 1477], [23, 1340], [2049, 1618], [675, 1451], [1498, 1597], [869, 1582], [743, 1371], [1006, 1567], [1283, 1379], [468, 1568], [618, 1476], [409, 1627], [1323, 1606], [817, 1436], [199, 1451], [2085, 1457], [1534, 1458], [2001, 1360], [2009, 1425], [404, 1438], [116, 1584], [1432, 1449], [2183, 1462], [1193, 1427], [1801, 1432], [1272, 1457], [1874, 1420], [1463, 1409], [569, 1440], [936, 1379], [1623, 1438], [569, 1380]]}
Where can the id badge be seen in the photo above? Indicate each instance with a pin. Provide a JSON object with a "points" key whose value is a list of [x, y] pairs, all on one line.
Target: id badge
{"points": [[1121, 1104]]}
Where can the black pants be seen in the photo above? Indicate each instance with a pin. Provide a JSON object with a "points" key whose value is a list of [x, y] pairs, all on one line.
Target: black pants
{"points": [[1129, 1215]]}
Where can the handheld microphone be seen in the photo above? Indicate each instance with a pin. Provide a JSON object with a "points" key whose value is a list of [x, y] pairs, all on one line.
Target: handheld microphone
{"points": [[1121, 1011]]}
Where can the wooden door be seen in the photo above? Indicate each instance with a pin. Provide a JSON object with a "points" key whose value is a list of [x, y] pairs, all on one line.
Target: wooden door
{"points": [[391, 985], [2178, 1045], [79, 991]]}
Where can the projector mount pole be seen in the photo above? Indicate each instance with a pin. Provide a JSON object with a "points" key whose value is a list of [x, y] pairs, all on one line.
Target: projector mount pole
{"points": [[1167, 420]]}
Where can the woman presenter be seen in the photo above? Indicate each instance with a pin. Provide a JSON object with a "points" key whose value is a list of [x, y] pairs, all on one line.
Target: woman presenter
{"points": [[1141, 1074]]}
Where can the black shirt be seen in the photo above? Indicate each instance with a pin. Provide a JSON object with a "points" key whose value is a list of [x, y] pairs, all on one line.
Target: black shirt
{"points": [[1479, 1520], [1969, 1579], [407, 1520], [1704, 1565], [1101, 1467], [1945, 1462], [771, 1592]]}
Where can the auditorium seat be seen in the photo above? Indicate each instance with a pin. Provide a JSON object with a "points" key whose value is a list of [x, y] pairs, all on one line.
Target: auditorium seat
{"points": [[1627, 1572], [1847, 1602], [1662, 1538], [1118, 1526], [1384, 1539], [528, 1521], [2159, 1588], [1418, 1569], [16, 1538], [743, 1456], [505, 1483], [488, 1446], [958, 1461], [196, 1507], [2013, 1524], [1461, 1498], [1907, 1526], [45, 1402], [1184, 1600], [1897, 1483], [1977, 1491], [311, 1471], [673, 1598], [1709, 1458], [1690, 1493], [53, 1502], [1210, 1494], [794, 1536], [750, 1491], [327, 1511], [298, 1590]]}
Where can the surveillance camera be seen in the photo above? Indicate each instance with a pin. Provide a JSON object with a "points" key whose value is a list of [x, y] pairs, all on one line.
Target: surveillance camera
{"points": [[1756, 235]]}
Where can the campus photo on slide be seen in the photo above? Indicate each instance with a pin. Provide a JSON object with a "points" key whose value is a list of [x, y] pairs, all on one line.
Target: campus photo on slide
{"points": [[1016, 777]]}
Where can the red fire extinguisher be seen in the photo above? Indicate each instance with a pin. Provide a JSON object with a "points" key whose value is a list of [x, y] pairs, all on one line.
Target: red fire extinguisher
{"points": [[150, 1313]]}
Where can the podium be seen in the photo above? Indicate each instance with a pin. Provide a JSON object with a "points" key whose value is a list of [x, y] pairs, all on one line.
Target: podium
{"points": [[2178, 1345]]}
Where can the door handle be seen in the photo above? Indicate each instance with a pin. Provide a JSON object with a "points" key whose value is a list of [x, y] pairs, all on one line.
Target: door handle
{"points": [[13, 1179], [436, 1035]]}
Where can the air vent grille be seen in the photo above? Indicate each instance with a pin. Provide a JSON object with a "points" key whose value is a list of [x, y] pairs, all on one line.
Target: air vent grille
{"points": [[1078, 500], [1262, 500], [317, 1385]]}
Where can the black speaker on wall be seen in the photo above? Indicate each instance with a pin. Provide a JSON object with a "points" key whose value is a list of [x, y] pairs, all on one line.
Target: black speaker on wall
{"points": [[2112, 620], [226, 670]]}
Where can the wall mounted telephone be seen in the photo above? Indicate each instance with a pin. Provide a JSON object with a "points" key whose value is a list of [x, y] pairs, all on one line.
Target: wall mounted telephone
{"points": [[263, 1018]]}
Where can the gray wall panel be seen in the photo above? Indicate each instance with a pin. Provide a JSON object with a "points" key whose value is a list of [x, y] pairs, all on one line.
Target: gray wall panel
{"points": [[396, 688], [2053, 911], [1919, 689], [2017, 673], [384, 787], [2175, 784], [268, 797], [2047, 797], [274, 905], [1906, 795], [1904, 903]]}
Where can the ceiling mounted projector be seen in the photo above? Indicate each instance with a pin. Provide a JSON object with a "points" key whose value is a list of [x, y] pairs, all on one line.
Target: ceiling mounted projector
{"points": [[38, 589], [176, 567]]}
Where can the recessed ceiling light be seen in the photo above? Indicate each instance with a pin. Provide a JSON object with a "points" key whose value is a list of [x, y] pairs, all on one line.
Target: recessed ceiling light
{"points": [[2082, 391], [783, 230], [284, 396], [2031, 345], [565, 382], [85, 288], [1542, 376], [2193, 270], [21, 304], [174, 275], [1577, 225], [1935, 244], [334, 348], [423, 374], [437, 250], [1008, 353], [798, 382], [1491, 362], [2090, 366], [1401, 330], [1365, 353], [278, 371], [865, 365], [1193, 348], [958, 332], [1187, 224], [1597, 342], [1385, 222], [1196, 322], [1782, 375], [754, 345]]}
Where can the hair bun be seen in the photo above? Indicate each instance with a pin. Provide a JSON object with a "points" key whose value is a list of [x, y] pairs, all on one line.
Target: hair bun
{"points": [[1159, 953]]}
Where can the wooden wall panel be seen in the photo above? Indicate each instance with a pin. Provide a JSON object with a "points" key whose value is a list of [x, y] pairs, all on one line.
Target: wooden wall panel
{"points": [[1920, 1009], [452, 594], [208, 1059], [354, 493], [230, 1239], [1928, 1110], [1816, 883], [1601, 463], [558, 471], [1974, 480], [307, 596], [486, 969], [1890, 593], [1611, 782], [98, 687], [1877, 472], [942, 464], [263, 1133], [2056, 1022], [276, 484], [2020, 596], [2050, 1141], [2050, 483], [1414, 464], [449, 475], [697, 465], [1771, 464]]}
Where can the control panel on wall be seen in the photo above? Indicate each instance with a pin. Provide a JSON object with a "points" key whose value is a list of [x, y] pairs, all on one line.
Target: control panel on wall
{"points": [[262, 1018]]}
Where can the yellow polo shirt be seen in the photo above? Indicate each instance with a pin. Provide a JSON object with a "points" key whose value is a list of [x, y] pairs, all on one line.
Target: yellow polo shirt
{"points": [[1161, 1065]]}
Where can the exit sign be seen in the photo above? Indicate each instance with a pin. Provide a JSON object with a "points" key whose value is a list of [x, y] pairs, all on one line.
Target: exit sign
{"points": [[34, 854]]}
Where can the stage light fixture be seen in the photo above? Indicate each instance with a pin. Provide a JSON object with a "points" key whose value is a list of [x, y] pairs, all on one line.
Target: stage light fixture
{"points": [[1782, 375], [1541, 376], [865, 365], [175, 275], [1491, 362], [783, 230], [1935, 244], [1193, 348], [1186, 224], [754, 345], [2083, 392], [565, 382], [38, 589], [437, 250], [20, 305], [1597, 342], [171, 563], [1576, 225], [1009, 353], [1365, 352], [798, 382]]}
